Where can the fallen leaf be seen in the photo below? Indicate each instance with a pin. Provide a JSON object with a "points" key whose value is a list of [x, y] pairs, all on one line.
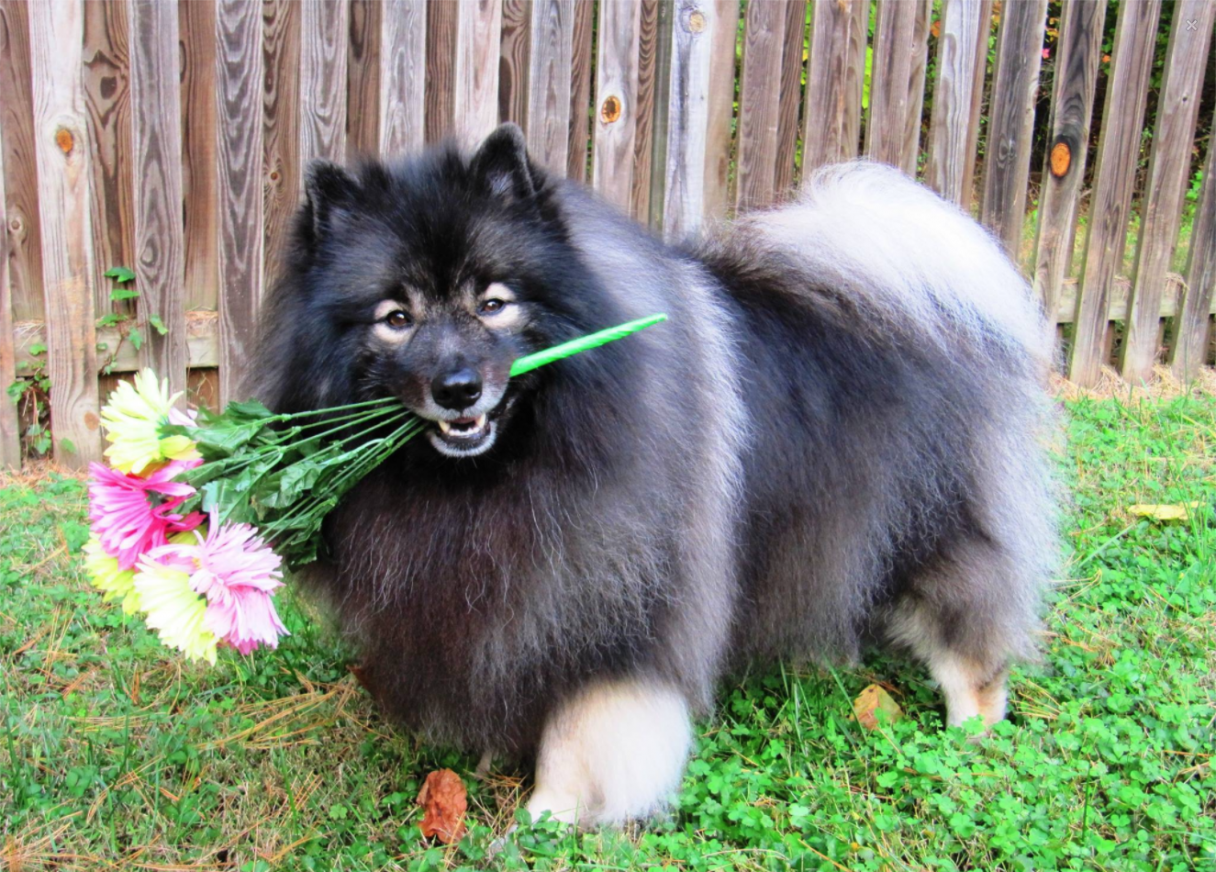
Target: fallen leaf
{"points": [[444, 800], [1162, 513], [871, 701]]}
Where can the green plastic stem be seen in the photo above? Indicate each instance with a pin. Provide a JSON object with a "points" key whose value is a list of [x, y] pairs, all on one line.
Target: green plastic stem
{"points": [[583, 343]]}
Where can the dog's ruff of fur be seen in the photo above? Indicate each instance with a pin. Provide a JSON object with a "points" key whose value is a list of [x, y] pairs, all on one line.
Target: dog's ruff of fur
{"points": [[834, 441]]}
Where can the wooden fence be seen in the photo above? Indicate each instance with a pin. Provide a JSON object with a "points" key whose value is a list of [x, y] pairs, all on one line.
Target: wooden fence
{"points": [[170, 138]]}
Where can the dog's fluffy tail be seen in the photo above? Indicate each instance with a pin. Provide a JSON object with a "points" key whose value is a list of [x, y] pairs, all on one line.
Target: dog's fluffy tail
{"points": [[915, 258]]}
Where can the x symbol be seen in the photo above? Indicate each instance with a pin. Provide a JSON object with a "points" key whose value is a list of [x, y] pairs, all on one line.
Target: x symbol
{"points": [[1192, 24]]}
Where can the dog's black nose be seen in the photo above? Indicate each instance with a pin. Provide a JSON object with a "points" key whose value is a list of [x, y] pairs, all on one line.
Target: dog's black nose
{"points": [[456, 390]]}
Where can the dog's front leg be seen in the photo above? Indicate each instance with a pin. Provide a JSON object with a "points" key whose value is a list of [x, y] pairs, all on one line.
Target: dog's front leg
{"points": [[614, 752]]}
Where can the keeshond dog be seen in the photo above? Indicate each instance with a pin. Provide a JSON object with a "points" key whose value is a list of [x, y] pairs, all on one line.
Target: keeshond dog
{"points": [[835, 441]]}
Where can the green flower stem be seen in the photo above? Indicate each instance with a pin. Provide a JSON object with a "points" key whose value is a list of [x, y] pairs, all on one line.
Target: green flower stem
{"points": [[288, 416], [583, 343], [380, 416]]}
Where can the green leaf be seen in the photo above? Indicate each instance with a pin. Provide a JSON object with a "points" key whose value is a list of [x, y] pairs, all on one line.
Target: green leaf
{"points": [[111, 319], [68, 445], [37, 348], [221, 496], [157, 324], [120, 274], [16, 390], [249, 410], [137, 339], [223, 438], [123, 294], [283, 488]]}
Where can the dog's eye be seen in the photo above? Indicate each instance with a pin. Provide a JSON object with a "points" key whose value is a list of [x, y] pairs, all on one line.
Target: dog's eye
{"points": [[397, 319], [492, 306]]}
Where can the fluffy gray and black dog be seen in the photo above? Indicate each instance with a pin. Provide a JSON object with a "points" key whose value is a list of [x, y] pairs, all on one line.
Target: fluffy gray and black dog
{"points": [[835, 440]]}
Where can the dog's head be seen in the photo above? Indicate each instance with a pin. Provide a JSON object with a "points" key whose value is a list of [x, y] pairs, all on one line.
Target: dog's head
{"points": [[425, 281]]}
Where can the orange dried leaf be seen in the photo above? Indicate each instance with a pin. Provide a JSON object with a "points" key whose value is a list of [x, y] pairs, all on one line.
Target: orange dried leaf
{"points": [[444, 801], [872, 700]]}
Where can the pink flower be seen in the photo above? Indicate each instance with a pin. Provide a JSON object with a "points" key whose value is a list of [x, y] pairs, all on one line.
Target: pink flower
{"points": [[238, 573], [131, 514], [1046, 53]]}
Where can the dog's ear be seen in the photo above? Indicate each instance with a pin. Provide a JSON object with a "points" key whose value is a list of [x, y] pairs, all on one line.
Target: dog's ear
{"points": [[329, 193], [501, 166]]}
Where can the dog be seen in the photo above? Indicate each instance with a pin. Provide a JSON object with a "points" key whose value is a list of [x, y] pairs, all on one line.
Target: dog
{"points": [[833, 442]]}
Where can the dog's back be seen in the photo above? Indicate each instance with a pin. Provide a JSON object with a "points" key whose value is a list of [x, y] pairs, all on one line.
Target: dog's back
{"points": [[896, 482]]}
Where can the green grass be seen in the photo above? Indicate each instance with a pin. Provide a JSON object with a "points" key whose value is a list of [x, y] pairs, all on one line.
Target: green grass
{"points": [[114, 754]]}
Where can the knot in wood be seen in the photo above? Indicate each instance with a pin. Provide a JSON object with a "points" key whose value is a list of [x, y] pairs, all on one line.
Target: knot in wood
{"points": [[1061, 159], [696, 21], [610, 111], [63, 139]]}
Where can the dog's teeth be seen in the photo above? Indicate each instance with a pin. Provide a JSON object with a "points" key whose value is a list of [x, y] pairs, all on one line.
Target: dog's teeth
{"points": [[480, 422], [445, 426]]}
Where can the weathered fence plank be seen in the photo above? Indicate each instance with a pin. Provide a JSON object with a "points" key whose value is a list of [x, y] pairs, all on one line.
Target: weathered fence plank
{"points": [[24, 229], [107, 25], [580, 91], [1168, 171], [61, 146], [159, 232], [441, 29], [759, 103], [479, 28], [197, 25], [323, 33], [1078, 52], [793, 64], [916, 86], [719, 112], [1011, 125], [834, 81], [1118, 149], [10, 424], [239, 115], [402, 79], [958, 47], [894, 31], [616, 87], [363, 53], [547, 120], [513, 60], [280, 88], [978, 82], [646, 101], [692, 37], [1199, 294]]}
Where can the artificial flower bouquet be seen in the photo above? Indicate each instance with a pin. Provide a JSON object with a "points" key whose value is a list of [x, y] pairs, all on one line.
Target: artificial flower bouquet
{"points": [[198, 513]]}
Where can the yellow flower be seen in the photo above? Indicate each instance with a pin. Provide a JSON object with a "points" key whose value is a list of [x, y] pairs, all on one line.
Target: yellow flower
{"points": [[174, 609], [104, 574], [133, 419]]}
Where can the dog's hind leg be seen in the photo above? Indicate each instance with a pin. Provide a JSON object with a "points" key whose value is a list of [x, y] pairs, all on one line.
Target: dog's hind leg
{"points": [[967, 619], [970, 688], [612, 753]]}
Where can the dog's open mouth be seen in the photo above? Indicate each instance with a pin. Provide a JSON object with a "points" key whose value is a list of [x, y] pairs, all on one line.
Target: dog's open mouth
{"points": [[463, 437]]}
